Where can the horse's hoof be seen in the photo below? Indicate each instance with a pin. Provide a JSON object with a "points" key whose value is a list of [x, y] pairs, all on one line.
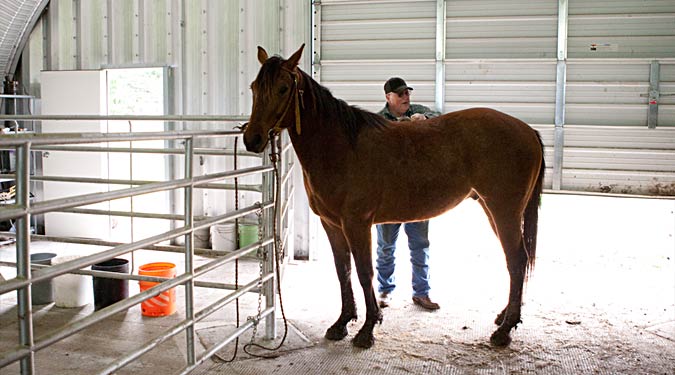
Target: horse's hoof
{"points": [[363, 340], [500, 339], [336, 333]]}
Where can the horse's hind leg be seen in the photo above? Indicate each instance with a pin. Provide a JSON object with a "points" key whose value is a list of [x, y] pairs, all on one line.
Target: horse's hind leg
{"points": [[500, 316], [510, 235], [343, 267]]}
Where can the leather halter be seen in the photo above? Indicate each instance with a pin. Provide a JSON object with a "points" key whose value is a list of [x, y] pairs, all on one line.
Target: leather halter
{"points": [[276, 129]]}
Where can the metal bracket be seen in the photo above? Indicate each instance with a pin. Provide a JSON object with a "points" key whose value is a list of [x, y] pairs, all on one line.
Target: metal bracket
{"points": [[654, 95]]}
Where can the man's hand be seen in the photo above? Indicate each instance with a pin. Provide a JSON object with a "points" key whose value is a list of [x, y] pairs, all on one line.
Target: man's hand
{"points": [[418, 117]]}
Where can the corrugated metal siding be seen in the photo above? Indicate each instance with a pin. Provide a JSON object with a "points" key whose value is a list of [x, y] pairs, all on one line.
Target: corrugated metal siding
{"points": [[503, 54], [629, 28], [360, 30], [485, 29], [525, 89], [211, 45]]}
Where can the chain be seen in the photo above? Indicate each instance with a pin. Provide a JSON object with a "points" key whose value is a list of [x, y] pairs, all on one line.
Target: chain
{"points": [[261, 257], [274, 157], [236, 261]]}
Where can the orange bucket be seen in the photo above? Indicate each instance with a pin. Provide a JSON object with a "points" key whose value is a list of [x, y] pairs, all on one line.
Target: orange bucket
{"points": [[164, 303]]}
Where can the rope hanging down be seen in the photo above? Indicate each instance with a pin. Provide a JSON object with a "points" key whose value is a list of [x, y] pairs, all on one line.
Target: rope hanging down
{"points": [[236, 261], [275, 157]]}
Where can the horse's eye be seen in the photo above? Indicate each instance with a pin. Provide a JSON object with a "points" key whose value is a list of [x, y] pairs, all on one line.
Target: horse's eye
{"points": [[282, 90]]}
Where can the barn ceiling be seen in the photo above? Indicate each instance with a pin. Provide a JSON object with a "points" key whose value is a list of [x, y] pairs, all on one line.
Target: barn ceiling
{"points": [[17, 18]]}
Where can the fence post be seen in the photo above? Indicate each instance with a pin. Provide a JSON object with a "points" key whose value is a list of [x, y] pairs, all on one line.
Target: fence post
{"points": [[269, 261], [23, 256], [189, 255]]}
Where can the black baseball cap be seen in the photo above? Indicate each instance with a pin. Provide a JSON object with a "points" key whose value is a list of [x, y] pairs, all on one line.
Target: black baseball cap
{"points": [[395, 84]]}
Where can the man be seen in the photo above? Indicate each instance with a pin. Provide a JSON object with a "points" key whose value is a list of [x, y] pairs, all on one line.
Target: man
{"points": [[398, 108]]}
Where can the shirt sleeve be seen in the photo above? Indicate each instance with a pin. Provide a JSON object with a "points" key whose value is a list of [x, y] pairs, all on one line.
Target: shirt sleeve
{"points": [[426, 111]]}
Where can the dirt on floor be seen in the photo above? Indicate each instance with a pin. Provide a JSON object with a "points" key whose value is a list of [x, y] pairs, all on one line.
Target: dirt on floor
{"points": [[601, 300]]}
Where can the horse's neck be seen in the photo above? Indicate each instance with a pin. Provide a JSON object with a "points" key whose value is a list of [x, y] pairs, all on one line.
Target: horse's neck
{"points": [[317, 142], [321, 143]]}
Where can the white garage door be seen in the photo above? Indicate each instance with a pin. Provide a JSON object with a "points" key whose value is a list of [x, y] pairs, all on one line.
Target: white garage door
{"points": [[595, 78]]}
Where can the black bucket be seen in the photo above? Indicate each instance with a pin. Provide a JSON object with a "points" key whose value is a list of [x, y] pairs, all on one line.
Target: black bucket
{"points": [[42, 292], [108, 291]]}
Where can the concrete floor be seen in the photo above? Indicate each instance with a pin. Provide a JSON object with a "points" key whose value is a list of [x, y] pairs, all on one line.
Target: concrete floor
{"points": [[601, 301]]}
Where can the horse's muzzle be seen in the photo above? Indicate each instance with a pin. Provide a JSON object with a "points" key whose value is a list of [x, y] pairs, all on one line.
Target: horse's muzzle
{"points": [[254, 143]]}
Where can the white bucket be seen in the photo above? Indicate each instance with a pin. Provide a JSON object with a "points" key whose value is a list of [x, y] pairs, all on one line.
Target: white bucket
{"points": [[223, 237], [72, 290]]}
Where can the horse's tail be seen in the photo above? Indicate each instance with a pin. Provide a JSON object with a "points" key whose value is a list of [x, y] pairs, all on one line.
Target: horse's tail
{"points": [[532, 214]]}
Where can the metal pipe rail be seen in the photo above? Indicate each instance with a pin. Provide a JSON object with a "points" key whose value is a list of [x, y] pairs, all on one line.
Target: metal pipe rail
{"points": [[127, 182], [140, 150], [124, 276], [86, 199], [25, 143]]}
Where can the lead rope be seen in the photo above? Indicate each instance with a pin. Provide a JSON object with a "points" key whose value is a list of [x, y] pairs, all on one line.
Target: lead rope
{"points": [[236, 261], [274, 158]]}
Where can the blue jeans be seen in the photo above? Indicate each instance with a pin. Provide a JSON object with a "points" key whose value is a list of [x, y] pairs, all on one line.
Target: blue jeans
{"points": [[418, 242]]}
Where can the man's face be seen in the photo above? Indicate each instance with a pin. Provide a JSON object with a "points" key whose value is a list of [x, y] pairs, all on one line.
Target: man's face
{"points": [[399, 103]]}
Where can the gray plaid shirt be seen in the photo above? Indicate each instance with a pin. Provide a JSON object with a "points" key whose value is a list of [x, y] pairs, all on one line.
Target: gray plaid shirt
{"points": [[414, 108]]}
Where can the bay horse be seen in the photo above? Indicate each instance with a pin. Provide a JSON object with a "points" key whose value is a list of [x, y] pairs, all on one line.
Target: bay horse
{"points": [[360, 169]]}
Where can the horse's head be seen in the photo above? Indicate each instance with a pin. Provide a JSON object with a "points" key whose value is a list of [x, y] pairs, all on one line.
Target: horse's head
{"points": [[275, 91]]}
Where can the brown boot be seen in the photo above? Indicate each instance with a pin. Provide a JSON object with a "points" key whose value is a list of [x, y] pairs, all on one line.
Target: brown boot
{"points": [[425, 303]]}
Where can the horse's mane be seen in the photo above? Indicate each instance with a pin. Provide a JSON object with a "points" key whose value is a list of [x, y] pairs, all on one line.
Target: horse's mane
{"points": [[334, 111], [339, 113]]}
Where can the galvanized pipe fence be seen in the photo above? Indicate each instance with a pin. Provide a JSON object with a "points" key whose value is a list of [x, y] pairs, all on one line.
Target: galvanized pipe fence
{"points": [[25, 144]]}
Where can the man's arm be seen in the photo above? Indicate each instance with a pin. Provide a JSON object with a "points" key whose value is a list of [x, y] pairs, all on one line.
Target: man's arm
{"points": [[426, 111]]}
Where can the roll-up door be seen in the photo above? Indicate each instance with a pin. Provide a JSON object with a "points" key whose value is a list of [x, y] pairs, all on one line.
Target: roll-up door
{"points": [[597, 79]]}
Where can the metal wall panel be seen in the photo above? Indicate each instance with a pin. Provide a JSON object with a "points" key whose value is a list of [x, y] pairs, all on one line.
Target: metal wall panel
{"points": [[613, 92], [501, 29], [522, 88], [377, 30], [622, 28], [500, 8], [91, 30], [504, 55]]}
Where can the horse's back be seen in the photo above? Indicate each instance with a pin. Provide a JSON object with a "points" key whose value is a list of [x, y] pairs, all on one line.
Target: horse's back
{"points": [[485, 132], [505, 151], [428, 167]]}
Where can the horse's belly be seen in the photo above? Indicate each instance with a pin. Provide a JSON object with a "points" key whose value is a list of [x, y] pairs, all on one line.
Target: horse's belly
{"points": [[420, 206]]}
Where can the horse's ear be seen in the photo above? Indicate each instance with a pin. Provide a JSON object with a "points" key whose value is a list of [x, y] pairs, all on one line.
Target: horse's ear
{"points": [[293, 61], [262, 55]]}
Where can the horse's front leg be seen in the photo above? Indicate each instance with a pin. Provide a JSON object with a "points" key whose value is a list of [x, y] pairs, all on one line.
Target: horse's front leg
{"points": [[343, 267], [358, 237]]}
